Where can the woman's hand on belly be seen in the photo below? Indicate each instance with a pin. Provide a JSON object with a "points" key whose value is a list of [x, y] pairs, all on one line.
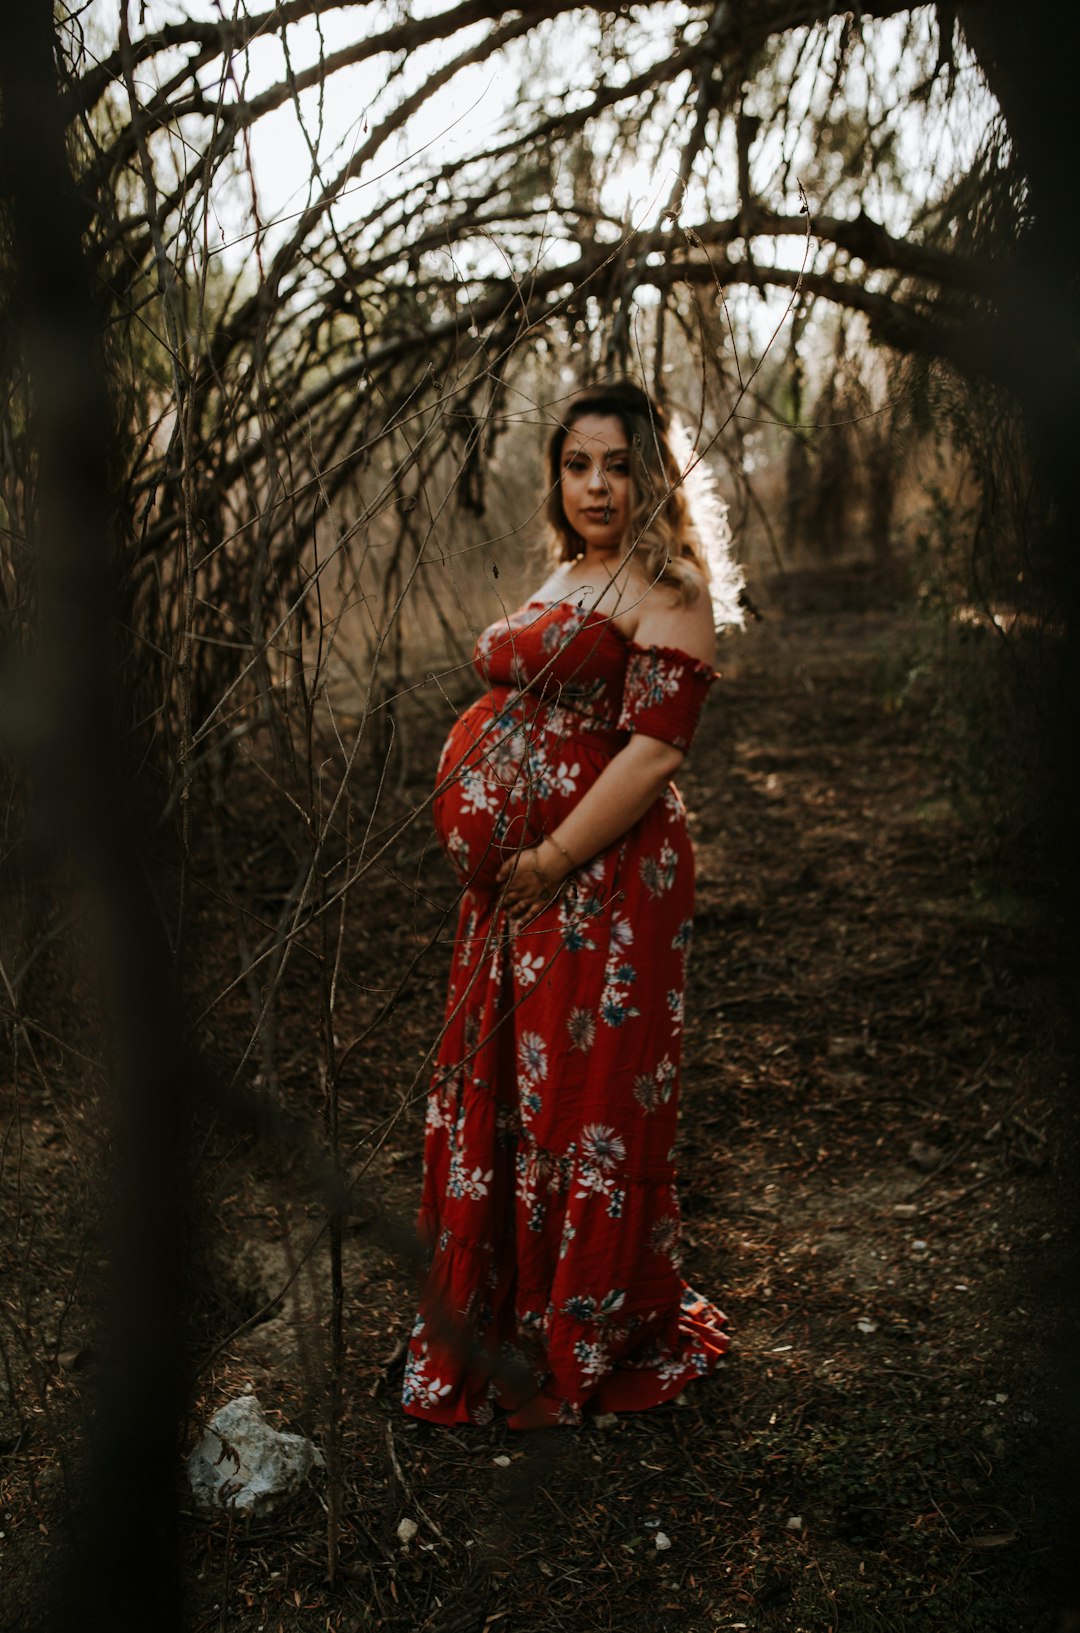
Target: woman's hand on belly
{"points": [[532, 877]]}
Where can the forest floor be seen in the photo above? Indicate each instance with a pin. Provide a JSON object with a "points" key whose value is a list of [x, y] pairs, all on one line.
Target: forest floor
{"points": [[873, 1157]]}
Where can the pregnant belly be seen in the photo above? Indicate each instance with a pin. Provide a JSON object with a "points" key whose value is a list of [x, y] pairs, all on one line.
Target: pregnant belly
{"points": [[507, 777]]}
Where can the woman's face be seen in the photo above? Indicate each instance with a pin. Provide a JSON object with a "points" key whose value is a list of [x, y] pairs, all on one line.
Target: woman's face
{"points": [[594, 480]]}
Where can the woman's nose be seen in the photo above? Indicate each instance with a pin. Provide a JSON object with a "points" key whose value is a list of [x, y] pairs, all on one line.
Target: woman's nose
{"points": [[597, 480]]}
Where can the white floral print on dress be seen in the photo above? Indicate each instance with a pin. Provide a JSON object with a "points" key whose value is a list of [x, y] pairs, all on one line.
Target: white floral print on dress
{"points": [[565, 778], [658, 872], [653, 1089], [418, 1389], [581, 1025], [666, 1238], [477, 794], [527, 967]]}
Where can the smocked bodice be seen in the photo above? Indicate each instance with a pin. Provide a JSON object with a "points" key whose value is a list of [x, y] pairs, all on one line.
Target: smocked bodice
{"points": [[578, 660]]}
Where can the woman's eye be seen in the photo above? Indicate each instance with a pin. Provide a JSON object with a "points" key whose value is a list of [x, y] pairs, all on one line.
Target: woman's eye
{"points": [[615, 467]]}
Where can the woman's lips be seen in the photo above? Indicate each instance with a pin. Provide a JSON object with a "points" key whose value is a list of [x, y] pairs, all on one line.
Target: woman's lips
{"points": [[602, 514]]}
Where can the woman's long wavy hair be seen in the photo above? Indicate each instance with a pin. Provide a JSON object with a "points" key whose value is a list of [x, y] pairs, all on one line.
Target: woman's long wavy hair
{"points": [[661, 531]]}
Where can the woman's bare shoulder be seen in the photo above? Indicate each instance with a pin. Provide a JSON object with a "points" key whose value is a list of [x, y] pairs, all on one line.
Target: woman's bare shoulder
{"points": [[667, 617]]}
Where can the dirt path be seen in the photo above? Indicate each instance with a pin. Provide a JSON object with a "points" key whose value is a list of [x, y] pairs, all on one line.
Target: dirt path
{"points": [[868, 1179]]}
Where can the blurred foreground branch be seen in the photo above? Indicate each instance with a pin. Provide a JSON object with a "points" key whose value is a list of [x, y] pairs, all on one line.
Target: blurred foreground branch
{"points": [[61, 714]]}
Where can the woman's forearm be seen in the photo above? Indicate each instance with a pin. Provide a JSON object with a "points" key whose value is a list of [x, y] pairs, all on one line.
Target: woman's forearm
{"points": [[622, 793]]}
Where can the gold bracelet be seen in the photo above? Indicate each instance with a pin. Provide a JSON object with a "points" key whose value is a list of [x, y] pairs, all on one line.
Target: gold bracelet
{"points": [[561, 849], [547, 883]]}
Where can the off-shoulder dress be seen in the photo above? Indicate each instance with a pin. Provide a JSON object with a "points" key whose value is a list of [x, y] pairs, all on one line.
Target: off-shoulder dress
{"points": [[549, 1203]]}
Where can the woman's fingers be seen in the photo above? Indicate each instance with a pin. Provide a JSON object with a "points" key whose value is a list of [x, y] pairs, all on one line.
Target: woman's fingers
{"points": [[524, 890], [510, 867]]}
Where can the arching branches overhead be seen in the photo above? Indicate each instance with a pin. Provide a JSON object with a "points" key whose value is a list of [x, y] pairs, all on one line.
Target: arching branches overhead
{"points": [[481, 181], [639, 150]]}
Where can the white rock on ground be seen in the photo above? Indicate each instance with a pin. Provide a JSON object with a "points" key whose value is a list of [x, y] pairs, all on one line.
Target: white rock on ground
{"points": [[242, 1463]]}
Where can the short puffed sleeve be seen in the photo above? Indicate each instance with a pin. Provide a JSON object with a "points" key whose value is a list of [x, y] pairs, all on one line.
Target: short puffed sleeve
{"points": [[664, 693]]}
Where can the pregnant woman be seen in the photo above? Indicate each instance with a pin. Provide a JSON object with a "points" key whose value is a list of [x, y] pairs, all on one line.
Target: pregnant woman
{"points": [[549, 1203]]}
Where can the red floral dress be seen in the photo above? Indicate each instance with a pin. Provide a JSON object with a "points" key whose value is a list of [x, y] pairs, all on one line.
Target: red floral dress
{"points": [[549, 1202]]}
